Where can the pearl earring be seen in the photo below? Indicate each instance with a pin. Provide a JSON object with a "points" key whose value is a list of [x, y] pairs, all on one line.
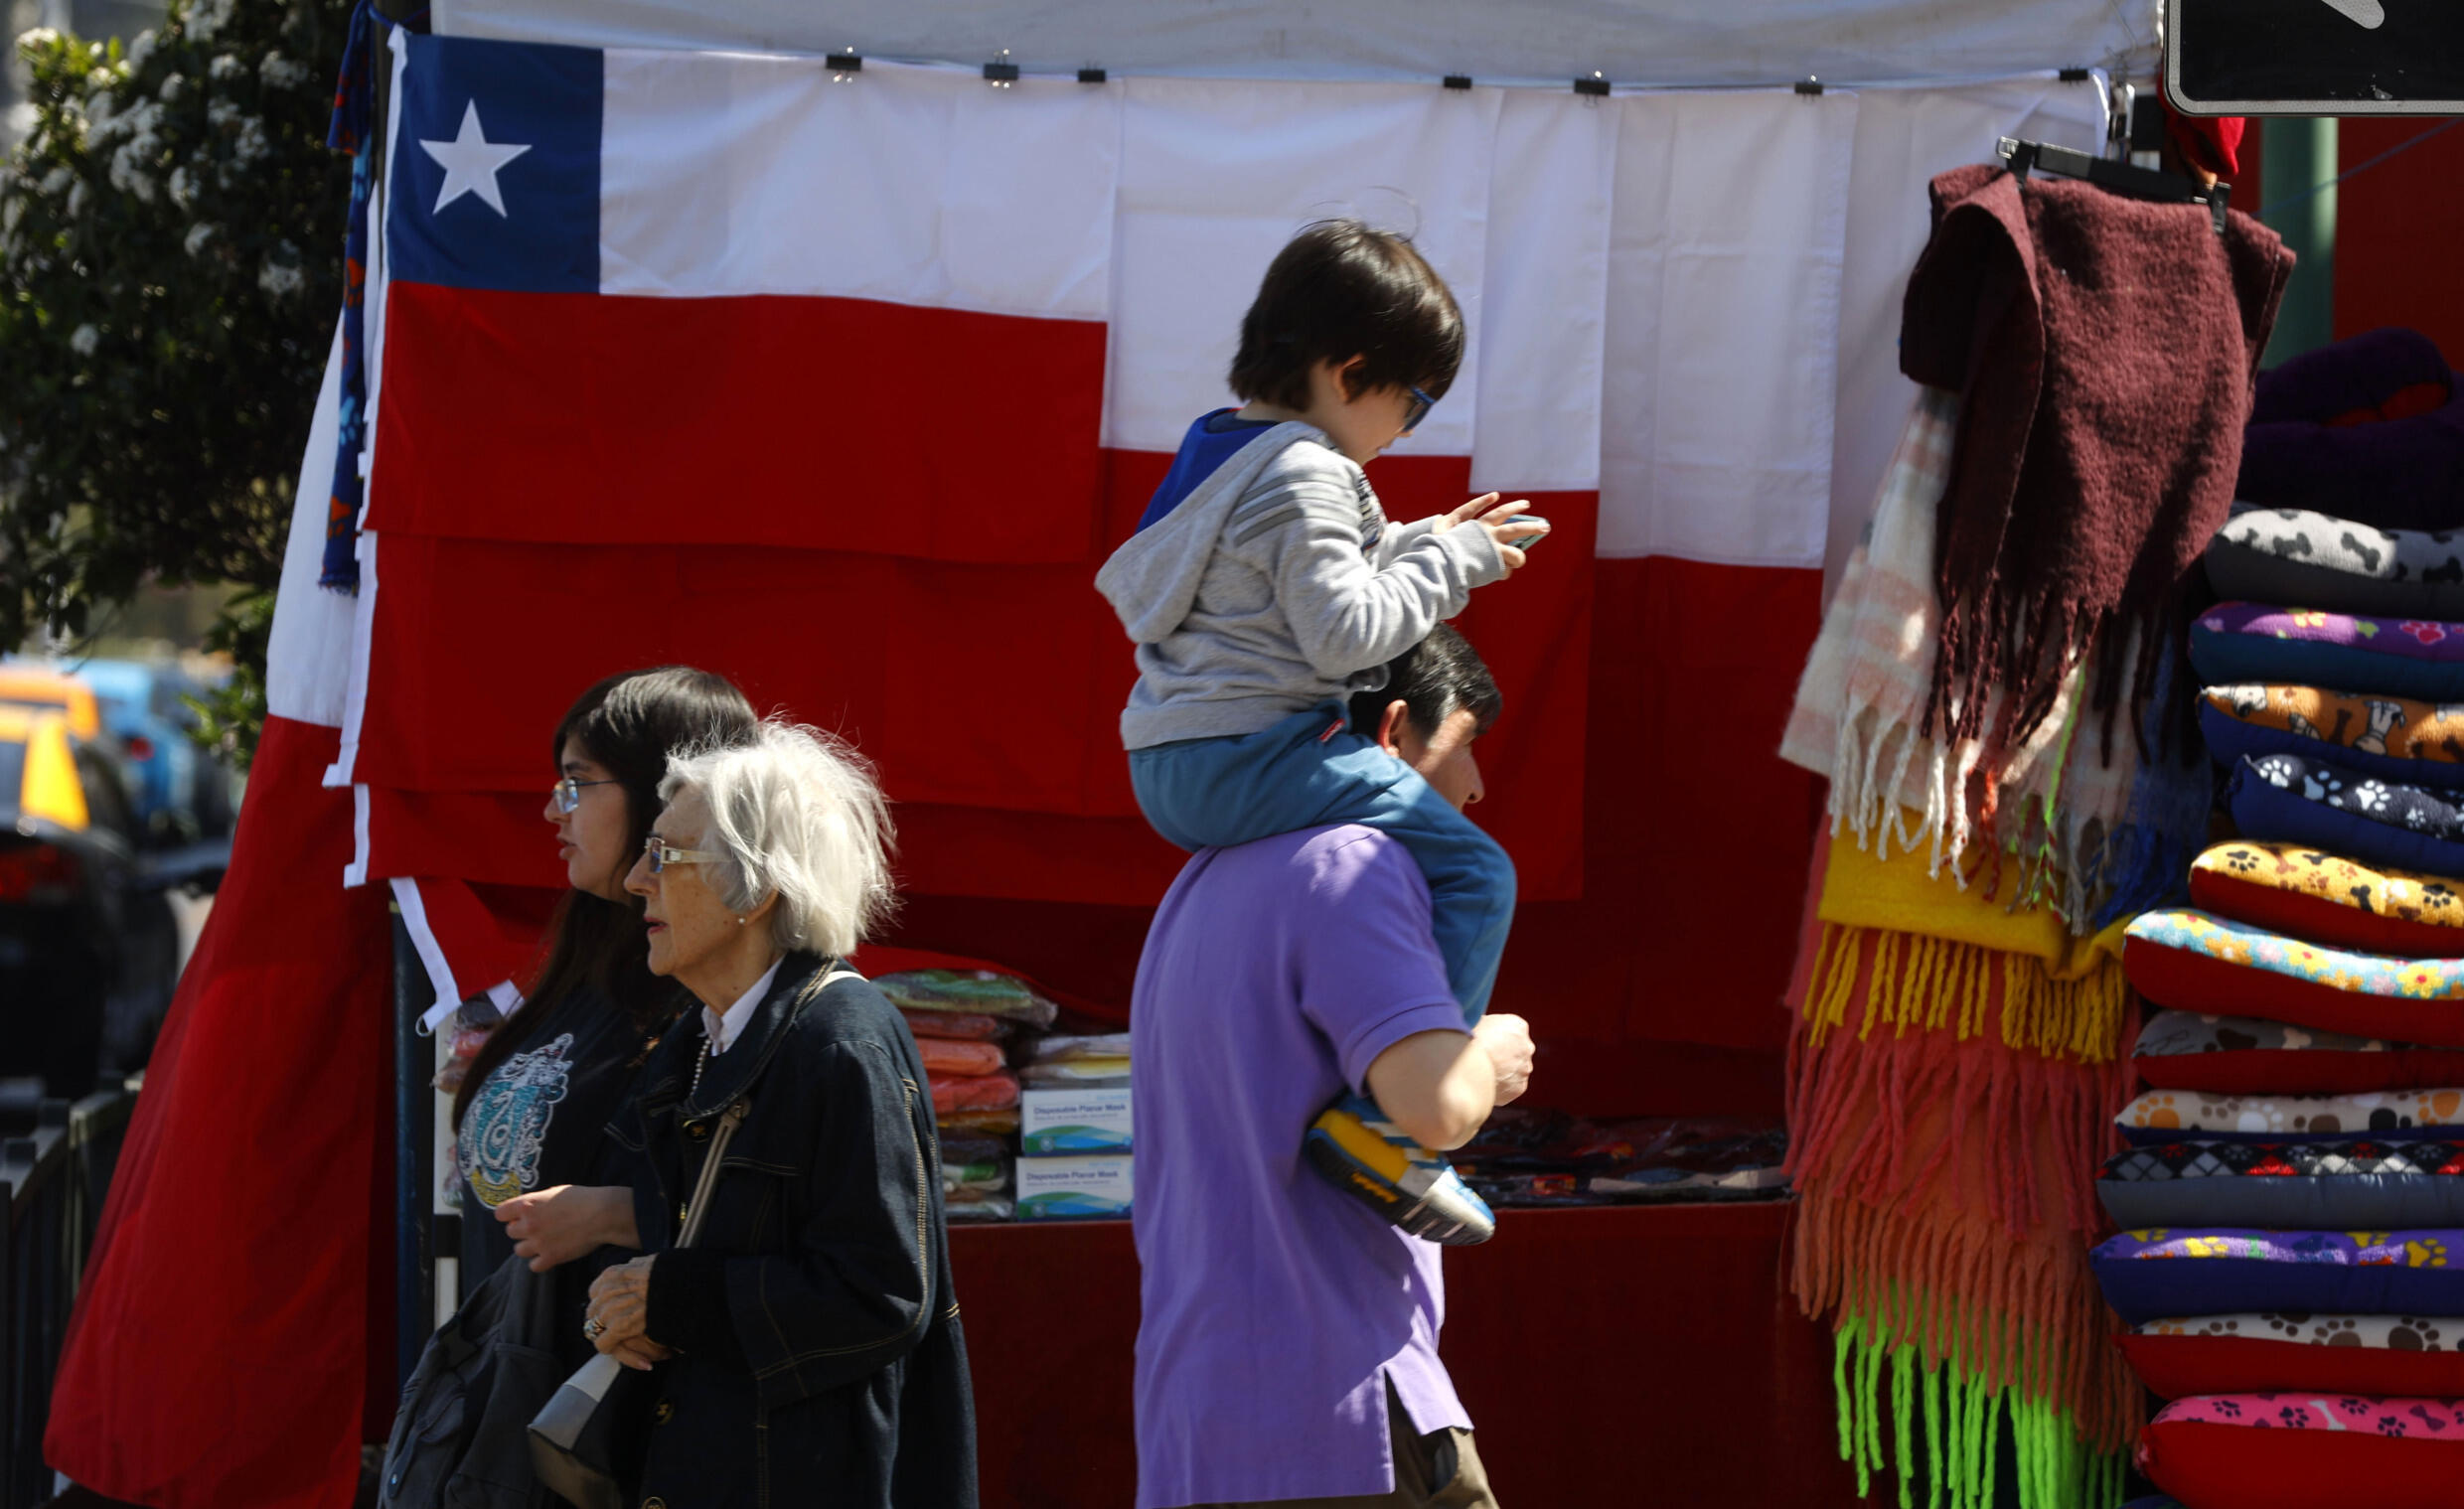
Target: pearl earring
{"points": [[740, 921]]}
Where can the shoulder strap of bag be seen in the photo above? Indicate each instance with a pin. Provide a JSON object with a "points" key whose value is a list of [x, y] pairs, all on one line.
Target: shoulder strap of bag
{"points": [[728, 1120]]}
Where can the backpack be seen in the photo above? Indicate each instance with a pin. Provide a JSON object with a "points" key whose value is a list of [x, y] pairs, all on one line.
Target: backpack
{"points": [[461, 1439]]}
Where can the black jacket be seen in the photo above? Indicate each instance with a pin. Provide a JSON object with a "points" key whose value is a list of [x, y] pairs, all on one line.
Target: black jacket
{"points": [[819, 1359]]}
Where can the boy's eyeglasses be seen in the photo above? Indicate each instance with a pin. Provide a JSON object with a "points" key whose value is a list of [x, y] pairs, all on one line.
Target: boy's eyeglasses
{"points": [[661, 856], [568, 792], [1422, 403]]}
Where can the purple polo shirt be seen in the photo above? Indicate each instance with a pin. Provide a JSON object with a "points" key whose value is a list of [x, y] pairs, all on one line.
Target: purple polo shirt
{"points": [[1272, 1304]]}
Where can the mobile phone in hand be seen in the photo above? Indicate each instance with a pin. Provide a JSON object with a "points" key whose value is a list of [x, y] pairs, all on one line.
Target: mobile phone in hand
{"points": [[1528, 540]]}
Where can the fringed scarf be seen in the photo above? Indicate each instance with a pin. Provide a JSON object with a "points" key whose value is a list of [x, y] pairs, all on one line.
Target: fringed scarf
{"points": [[2105, 347], [2049, 821], [1950, 1095]]}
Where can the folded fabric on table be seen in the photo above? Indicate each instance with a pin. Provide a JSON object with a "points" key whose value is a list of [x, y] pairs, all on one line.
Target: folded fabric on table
{"points": [[1084, 1072], [2251, 1352], [2392, 737], [1059, 1047], [2329, 899], [962, 1026], [2336, 565], [966, 1122], [2168, 1116], [2353, 1184], [2398, 657], [943, 1056], [982, 1091], [2294, 799], [2302, 1451], [2154, 1274], [978, 993], [2246, 1055], [2192, 962]]}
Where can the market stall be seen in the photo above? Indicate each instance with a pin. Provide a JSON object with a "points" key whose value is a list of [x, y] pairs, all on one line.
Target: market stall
{"points": [[710, 375]]}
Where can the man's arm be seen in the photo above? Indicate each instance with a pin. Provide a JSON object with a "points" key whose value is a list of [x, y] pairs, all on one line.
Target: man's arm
{"points": [[1439, 1087]]}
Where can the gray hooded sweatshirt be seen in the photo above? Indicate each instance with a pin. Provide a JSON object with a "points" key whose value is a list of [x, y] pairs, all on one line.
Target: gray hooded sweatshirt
{"points": [[1277, 586]]}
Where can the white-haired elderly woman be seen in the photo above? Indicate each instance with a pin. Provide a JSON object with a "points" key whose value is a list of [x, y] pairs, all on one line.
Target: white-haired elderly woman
{"points": [[807, 1344]]}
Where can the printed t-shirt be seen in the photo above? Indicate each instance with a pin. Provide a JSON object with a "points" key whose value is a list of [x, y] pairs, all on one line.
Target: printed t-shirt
{"points": [[1274, 1307], [539, 1119], [1213, 439]]}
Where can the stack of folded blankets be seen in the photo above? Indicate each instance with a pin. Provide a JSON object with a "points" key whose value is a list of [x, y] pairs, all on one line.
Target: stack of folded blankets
{"points": [[2291, 1269], [966, 1022]]}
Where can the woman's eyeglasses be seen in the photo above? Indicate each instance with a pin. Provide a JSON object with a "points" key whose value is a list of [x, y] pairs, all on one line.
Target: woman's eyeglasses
{"points": [[661, 856], [568, 792], [1422, 403]]}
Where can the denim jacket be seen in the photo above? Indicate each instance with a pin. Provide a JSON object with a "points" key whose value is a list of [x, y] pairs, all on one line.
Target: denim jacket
{"points": [[819, 1356]]}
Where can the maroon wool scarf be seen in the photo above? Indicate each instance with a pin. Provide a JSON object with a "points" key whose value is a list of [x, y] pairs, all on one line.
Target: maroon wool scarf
{"points": [[2105, 347]]}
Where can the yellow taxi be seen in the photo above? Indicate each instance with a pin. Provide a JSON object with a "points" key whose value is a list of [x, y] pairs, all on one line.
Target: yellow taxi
{"points": [[40, 689]]}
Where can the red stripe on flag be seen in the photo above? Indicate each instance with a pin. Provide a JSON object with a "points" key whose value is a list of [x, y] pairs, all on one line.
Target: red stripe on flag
{"points": [[843, 424], [220, 1352]]}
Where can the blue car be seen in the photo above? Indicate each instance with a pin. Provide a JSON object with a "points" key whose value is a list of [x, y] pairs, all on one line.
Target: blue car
{"points": [[176, 789]]}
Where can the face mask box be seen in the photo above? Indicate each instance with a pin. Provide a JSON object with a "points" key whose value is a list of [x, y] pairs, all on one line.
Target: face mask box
{"points": [[1054, 1189], [1065, 1123]]}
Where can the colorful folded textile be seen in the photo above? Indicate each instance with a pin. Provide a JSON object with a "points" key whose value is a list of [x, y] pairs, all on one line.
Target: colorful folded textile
{"points": [[2246, 1055], [2330, 899], [2315, 560], [982, 992], [2301, 1450], [2192, 962], [987, 1092], [1900, 950], [2395, 738], [1059, 1047], [943, 1057], [2253, 1352], [2176, 1270], [965, 1026], [2399, 657], [2301, 1186], [2167, 1115]]}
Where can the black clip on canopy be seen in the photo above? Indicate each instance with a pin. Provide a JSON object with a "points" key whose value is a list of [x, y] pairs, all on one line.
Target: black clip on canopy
{"points": [[2120, 176]]}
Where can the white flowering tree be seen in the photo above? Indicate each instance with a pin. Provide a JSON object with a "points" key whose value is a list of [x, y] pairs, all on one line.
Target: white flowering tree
{"points": [[170, 266]]}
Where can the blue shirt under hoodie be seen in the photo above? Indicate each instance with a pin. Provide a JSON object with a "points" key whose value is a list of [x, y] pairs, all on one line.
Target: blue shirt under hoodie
{"points": [[1213, 439]]}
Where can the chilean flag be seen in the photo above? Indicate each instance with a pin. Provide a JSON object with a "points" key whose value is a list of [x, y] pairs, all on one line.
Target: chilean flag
{"points": [[843, 383]]}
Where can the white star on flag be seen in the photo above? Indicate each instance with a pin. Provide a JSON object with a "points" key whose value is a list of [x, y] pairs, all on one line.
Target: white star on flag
{"points": [[471, 162]]}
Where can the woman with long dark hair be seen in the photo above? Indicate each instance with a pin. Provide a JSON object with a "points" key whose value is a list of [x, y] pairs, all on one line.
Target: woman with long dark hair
{"points": [[531, 1112]]}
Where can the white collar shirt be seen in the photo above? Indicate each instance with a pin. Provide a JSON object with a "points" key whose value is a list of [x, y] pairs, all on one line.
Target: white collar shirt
{"points": [[723, 1028]]}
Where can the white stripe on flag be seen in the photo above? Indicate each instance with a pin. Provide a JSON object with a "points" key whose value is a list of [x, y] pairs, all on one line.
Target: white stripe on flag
{"points": [[308, 650], [1543, 308], [1724, 288], [1215, 176], [747, 175]]}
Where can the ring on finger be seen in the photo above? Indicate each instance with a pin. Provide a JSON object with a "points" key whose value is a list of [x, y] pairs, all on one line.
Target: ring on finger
{"points": [[593, 1328]]}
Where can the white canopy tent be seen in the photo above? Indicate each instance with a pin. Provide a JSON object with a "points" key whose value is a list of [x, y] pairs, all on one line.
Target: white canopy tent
{"points": [[1658, 42]]}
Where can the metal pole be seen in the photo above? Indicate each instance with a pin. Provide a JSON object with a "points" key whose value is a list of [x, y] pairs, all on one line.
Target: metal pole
{"points": [[414, 1159], [2300, 153]]}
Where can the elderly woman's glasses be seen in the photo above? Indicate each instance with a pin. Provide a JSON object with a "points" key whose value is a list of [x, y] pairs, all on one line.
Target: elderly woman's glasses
{"points": [[568, 792], [661, 856]]}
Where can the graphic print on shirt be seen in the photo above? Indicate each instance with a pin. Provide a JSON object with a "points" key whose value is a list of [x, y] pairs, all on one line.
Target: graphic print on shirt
{"points": [[499, 1149]]}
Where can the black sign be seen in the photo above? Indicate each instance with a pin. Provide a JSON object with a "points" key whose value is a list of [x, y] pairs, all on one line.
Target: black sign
{"points": [[2315, 57]]}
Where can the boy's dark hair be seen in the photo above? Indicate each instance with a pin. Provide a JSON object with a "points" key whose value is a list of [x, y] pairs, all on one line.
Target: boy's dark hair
{"points": [[598, 955], [1434, 680], [1342, 290]]}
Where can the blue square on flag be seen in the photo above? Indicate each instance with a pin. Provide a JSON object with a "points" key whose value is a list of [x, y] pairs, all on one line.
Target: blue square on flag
{"points": [[496, 167]]}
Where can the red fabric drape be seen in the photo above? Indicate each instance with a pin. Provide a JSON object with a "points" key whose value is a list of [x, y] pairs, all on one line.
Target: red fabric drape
{"points": [[220, 1356]]}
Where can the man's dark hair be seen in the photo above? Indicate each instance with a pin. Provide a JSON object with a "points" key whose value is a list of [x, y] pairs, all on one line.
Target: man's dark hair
{"points": [[1434, 680], [1342, 290]]}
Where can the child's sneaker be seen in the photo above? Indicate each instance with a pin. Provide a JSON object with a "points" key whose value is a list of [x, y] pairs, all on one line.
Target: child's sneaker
{"points": [[1361, 1153]]}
